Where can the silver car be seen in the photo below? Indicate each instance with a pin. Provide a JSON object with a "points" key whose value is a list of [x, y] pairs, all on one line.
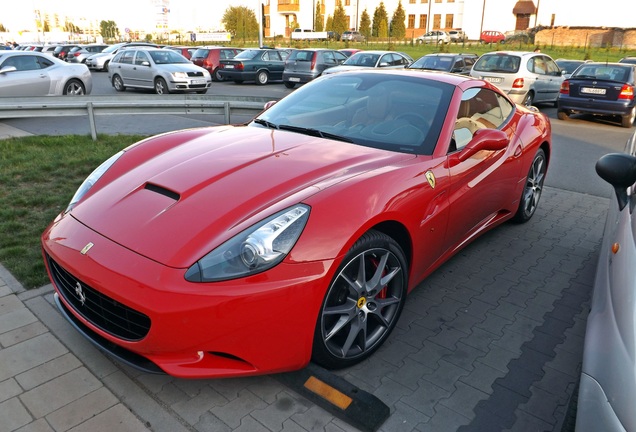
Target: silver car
{"points": [[607, 389], [372, 59], [31, 73], [100, 61], [81, 53], [161, 70], [527, 77]]}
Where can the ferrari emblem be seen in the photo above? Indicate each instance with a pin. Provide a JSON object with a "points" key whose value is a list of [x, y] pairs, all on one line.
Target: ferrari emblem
{"points": [[361, 302], [80, 293], [431, 178], [86, 248]]}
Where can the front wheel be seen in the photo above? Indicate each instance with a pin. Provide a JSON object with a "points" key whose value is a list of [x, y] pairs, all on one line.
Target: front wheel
{"points": [[74, 88], [161, 87], [118, 83], [216, 75], [628, 120], [532, 189], [363, 303]]}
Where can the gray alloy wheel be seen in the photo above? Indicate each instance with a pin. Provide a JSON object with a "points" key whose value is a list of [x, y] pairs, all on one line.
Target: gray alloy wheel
{"points": [[529, 99], [118, 83], [262, 78], [161, 87], [532, 189], [628, 120], [217, 75], [74, 88], [363, 303]]}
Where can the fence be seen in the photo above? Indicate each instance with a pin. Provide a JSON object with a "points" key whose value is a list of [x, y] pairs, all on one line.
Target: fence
{"points": [[91, 106]]}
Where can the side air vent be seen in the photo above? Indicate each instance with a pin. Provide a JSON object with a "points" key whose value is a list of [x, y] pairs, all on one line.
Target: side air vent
{"points": [[163, 191]]}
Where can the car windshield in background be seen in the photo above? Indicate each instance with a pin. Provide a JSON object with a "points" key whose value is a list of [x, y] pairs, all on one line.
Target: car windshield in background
{"points": [[167, 57], [433, 63], [397, 113], [602, 72], [362, 59], [498, 63]]}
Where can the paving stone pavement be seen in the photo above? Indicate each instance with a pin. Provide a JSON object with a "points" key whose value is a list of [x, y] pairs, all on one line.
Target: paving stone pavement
{"points": [[492, 341]]}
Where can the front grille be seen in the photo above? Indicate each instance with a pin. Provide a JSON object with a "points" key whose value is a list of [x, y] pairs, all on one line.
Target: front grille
{"points": [[102, 311], [195, 74]]}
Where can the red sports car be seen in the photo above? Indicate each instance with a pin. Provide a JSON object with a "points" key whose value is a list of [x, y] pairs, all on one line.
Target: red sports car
{"points": [[252, 249]]}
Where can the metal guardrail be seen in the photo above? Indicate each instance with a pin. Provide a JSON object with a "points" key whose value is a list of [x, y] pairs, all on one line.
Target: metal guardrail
{"points": [[182, 104]]}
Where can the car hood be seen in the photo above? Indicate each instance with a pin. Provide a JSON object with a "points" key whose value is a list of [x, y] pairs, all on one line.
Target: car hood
{"points": [[180, 67], [176, 204]]}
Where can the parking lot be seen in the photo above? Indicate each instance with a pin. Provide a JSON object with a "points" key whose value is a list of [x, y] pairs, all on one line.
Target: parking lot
{"points": [[491, 341]]}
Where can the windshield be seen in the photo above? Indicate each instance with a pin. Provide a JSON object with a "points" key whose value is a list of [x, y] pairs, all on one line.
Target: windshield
{"points": [[362, 59], [167, 57], [392, 112], [433, 63], [112, 48]]}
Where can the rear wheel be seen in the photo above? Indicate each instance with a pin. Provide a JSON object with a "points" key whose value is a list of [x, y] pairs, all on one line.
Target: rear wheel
{"points": [[562, 115], [532, 189], [217, 75], [161, 87], [363, 303], [290, 84], [118, 83], [262, 77], [105, 68], [74, 88], [628, 120], [529, 99]]}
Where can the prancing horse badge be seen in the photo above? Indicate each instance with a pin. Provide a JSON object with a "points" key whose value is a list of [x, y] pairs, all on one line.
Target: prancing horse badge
{"points": [[431, 178]]}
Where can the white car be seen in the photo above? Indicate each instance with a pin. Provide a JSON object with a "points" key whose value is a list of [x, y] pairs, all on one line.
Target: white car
{"points": [[31, 73], [434, 36], [372, 59]]}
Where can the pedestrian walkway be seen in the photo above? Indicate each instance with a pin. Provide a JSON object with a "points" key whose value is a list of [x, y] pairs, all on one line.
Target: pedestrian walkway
{"points": [[7, 131], [492, 341]]}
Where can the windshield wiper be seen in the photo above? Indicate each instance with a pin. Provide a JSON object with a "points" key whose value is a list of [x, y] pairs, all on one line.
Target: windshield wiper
{"points": [[266, 123], [315, 132]]}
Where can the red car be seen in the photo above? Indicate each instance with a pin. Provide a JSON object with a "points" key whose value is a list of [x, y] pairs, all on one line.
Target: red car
{"points": [[253, 249], [491, 36], [209, 57]]}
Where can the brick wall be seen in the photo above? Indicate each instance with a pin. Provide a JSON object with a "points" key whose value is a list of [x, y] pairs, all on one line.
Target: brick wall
{"points": [[587, 36]]}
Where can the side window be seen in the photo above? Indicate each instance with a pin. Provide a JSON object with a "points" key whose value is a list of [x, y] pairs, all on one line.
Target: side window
{"points": [[551, 67], [44, 62], [329, 59], [127, 57], [340, 57], [141, 57]]}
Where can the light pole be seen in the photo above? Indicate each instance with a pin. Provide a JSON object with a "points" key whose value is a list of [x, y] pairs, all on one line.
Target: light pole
{"points": [[483, 11]]}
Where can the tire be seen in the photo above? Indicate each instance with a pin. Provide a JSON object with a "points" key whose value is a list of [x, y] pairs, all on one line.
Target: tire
{"points": [[532, 189], [290, 85], [74, 88], [161, 87], [262, 77], [529, 99], [628, 120], [562, 115], [105, 68], [216, 75], [363, 303], [118, 83]]}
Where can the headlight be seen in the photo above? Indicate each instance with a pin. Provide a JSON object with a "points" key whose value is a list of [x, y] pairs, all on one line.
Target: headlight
{"points": [[180, 75], [254, 250], [92, 179]]}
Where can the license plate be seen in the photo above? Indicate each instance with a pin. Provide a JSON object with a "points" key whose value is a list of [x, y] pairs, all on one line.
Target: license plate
{"points": [[588, 90], [294, 79], [493, 80], [198, 81], [228, 67]]}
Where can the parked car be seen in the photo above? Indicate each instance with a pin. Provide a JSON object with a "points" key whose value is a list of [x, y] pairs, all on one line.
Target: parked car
{"points": [[631, 60], [305, 65], [568, 66], [30, 73], [492, 36], [454, 63], [161, 70], [260, 65], [253, 249], [209, 57], [435, 36], [352, 36], [457, 36], [81, 53], [373, 59], [608, 376], [185, 51], [349, 51], [527, 77], [60, 51], [99, 61], [601, 89]]}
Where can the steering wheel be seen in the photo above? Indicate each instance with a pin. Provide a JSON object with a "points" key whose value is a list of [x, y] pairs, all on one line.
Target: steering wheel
{"points": [[413, 118], [468, 123]]}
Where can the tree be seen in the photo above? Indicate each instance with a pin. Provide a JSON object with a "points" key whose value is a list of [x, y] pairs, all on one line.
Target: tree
{"points": [[319, 18], [329, 23], [108, 29], [398, 22], [241, 22], [365, 24], [70, 27], [3, 28], [340, 24], [380, 26]]}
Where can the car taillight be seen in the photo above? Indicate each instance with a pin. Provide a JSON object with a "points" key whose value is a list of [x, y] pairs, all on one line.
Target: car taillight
{"points": [[239, 66], [313, 60], [627, 92], [565, 87], [76, 54], [518, 83]]}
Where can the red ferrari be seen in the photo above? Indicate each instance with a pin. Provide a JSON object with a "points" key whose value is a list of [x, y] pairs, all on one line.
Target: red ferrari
{"points": [[252, 249]]}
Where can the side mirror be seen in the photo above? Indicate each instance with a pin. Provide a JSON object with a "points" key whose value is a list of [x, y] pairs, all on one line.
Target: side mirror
{"points": [[619, 170], [8, 69], [145, 63], [269, 104], [484, 139]]}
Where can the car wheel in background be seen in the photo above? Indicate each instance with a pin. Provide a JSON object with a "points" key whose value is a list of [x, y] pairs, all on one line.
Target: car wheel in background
{"points": [[118, 83], [262, 77], [363, 303], [532, 189], [290, 85], [529, 99], [74, 88], [628, 120], [161, 87], [105, 68], [216, 75], [562, 115]]}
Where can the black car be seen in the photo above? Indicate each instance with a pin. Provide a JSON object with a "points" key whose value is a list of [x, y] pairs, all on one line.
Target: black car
{"points": [[305, 65], [261, 65], [455, 63], [62, 50], [600, 89]]}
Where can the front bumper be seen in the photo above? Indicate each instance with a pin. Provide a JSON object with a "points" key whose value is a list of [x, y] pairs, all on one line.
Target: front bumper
{"points": [[256, 325], [594, 412]]}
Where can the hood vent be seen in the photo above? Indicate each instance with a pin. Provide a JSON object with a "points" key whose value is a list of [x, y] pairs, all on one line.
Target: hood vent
{"points": [[162, 191]]}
